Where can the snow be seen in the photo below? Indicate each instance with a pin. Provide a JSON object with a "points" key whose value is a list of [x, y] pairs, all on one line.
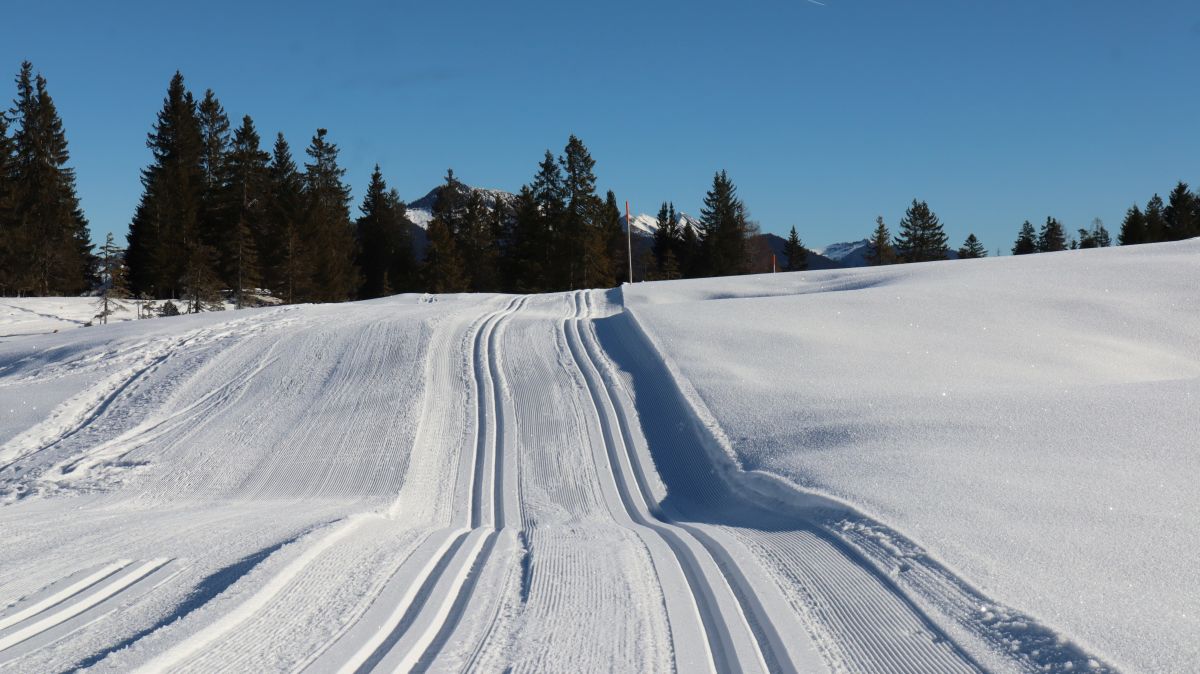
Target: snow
{"points": [[1030, 421], [647, 224], [40, 315], [840, 251], [941, 467]]}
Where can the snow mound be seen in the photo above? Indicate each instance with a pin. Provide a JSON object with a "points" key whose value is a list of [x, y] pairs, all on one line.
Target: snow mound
{"points": [[1031, 421]]}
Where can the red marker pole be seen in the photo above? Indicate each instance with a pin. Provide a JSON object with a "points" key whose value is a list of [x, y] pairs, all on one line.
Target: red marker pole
{"points": [[629, 239]]}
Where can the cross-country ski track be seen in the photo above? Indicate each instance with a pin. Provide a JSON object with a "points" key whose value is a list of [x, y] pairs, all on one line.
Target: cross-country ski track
{"points": [[434, 483]]}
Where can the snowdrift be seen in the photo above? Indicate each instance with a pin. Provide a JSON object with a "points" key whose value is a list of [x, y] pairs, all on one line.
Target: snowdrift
{"points": [[1030, 422]]}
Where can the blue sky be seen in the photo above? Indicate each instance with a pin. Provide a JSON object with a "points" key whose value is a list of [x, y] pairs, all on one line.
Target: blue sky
{"points": [[825, 115]]}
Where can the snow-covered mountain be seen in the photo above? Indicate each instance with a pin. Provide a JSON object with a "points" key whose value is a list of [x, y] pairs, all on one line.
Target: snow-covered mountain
{"points": [[847, 253], [646, 224], [420, 212]]}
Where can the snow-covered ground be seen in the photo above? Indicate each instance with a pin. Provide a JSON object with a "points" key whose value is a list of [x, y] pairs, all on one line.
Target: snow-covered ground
{"points": [[1031, 422], [21, 316], [946, 467]]}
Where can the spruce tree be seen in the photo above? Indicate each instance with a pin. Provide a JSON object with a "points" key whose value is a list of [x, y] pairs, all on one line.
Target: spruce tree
{"points": [[881, 251], [614, 236], [282, 254], [971, 249], [1155, 220], [166, 254], [550, 195], [444, 270], [666, 238], [8, 255], [1026, 240], [921, 237], [690, 253], [724, 229], [328, 235], [1180, 218], [384, 241], [579, 236], [1052, 238], [478, 245], [526, 259], [795, 255], [245, 191], [1133, 228], [51, 246], [401, 272], [371, 235]]}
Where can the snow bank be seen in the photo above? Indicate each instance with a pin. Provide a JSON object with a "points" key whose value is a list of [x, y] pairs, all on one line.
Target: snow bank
{"points": [[1030, 421]]}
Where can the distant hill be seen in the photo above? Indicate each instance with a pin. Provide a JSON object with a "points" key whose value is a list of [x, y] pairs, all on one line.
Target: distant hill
{"points": [[815, 260], [848, 253]]}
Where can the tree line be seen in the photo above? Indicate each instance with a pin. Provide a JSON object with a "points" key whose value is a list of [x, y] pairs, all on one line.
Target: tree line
{"points": [[921, 238], [219, 216], [223, 218]]}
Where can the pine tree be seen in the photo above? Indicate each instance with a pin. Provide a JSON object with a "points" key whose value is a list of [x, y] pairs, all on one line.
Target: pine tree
{"points": [[794, 253], [1181, 218], [51, 246], [881, 251], [401, 272], [372, 236], [384, 241], [921, 237], [1052, 238], [166, 254], [217, 222], [690, 253], [245, 195], [971, 249], [724, 229], [578, 236], [477, 242], [1133, 228], [1155, 220], [444, 269], [525, 262], [550, 195], [282, 253], [666, 237], [8, 254], [1026, 240], [614, 235], [328, 234]]}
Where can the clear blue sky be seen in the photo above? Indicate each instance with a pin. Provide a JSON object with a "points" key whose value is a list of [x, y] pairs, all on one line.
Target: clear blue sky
{"points": [[825, 115]]}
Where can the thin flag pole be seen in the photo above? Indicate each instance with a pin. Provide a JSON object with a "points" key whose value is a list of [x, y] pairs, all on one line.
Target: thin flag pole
{"points": [[629, 239]]}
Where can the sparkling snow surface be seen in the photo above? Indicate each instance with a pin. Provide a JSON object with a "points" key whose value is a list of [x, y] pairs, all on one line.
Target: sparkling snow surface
{"points": [[1034, 423], [996, 466]]}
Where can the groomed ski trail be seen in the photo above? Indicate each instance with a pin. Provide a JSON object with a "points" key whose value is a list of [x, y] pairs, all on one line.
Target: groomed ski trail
{"points": [[435, 584], [557, 506]]}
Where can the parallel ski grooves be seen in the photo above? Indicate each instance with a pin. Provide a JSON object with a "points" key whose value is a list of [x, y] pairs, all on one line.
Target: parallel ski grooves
{"points": [[727, 642], [69, 606], [417, 633]]}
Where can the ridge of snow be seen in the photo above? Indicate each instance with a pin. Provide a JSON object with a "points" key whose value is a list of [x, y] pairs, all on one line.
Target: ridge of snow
{"points": [[842, 250]]}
